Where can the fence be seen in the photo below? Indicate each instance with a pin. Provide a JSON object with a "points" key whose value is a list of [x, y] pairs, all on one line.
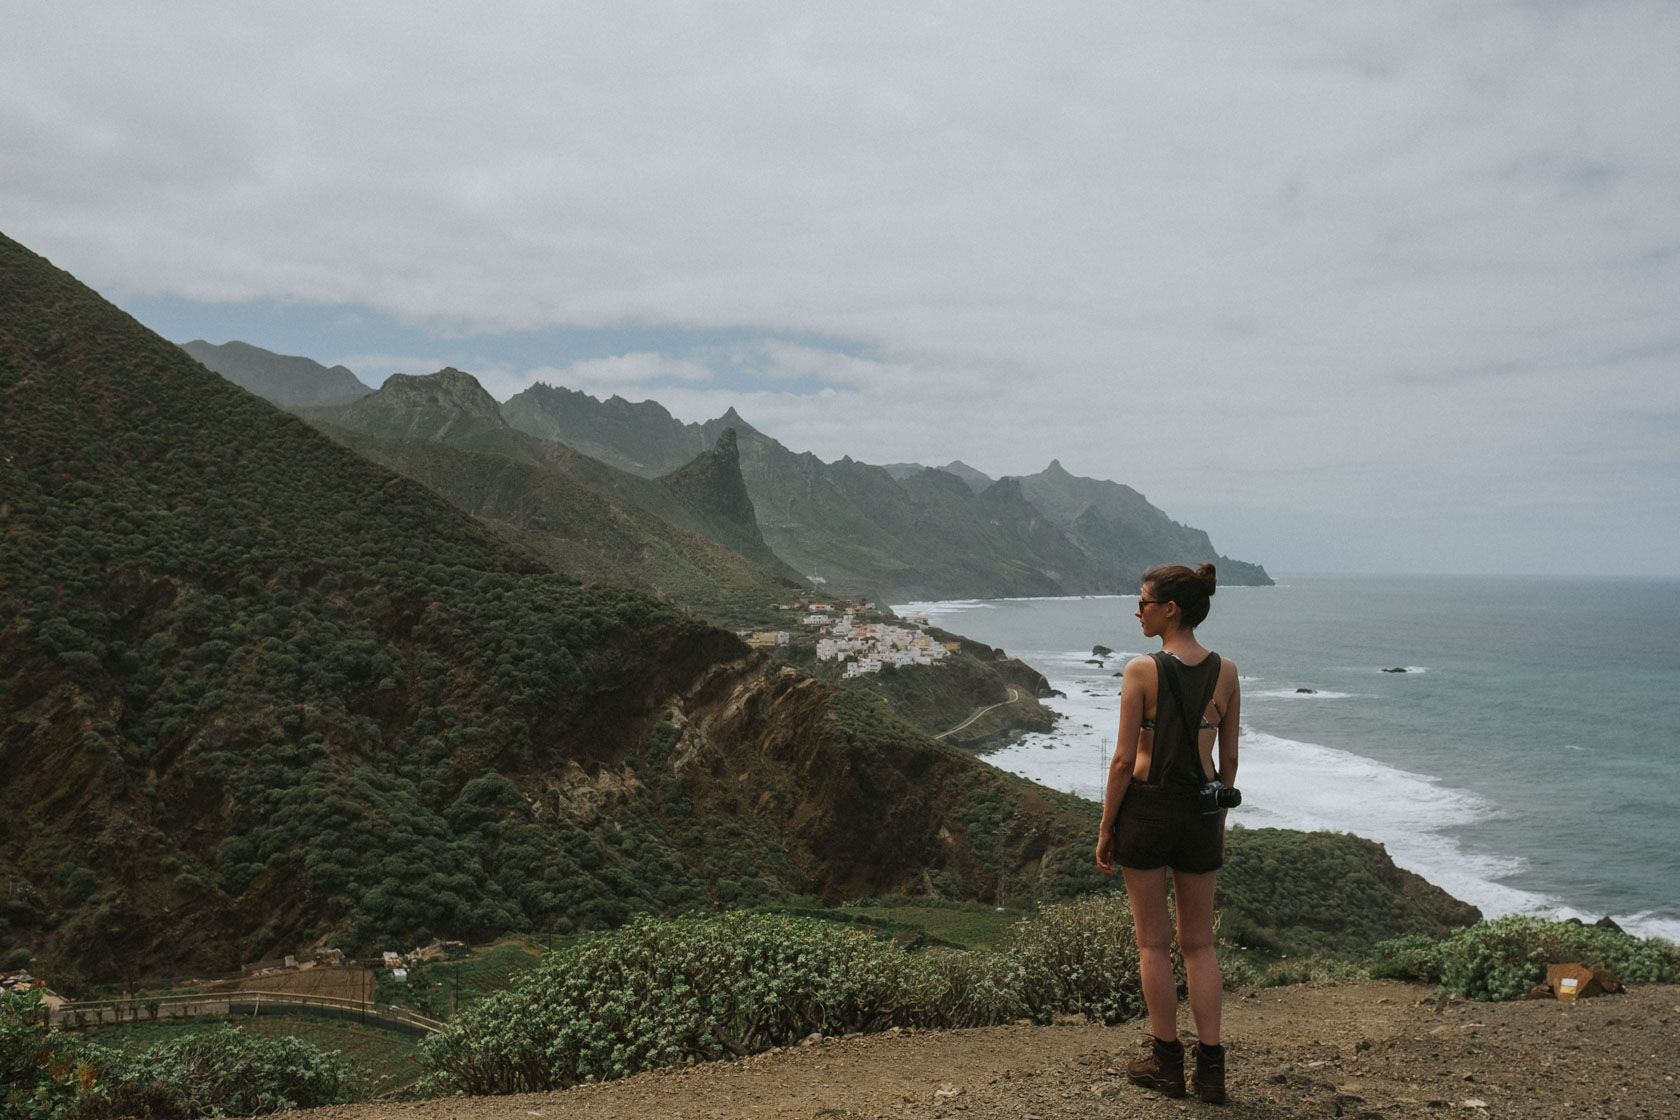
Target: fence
{"points": [[86, 1014]]}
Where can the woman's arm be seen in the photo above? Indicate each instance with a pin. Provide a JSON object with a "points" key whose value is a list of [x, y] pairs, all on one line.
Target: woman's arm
{"points": [[1228, 724], [1134, 685]]}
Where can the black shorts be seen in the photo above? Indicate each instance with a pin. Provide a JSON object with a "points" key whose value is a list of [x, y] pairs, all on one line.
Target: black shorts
{"points": [[1158, 828]]}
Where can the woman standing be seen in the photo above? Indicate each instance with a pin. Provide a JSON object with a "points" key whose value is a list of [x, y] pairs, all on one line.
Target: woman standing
{"points": [[1162, 811]]}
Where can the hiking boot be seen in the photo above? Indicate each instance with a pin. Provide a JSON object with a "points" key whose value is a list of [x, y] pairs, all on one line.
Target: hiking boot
{"points": [[1162, 1070], [1210, 1073]]}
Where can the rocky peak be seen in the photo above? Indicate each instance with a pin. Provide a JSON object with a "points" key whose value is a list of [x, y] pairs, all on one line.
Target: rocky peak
{"points": [[430, 407], [712, 481], [448, 388]]}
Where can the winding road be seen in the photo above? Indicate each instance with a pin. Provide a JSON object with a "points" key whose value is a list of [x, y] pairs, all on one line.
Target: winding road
{"points": [[1014, 695]]}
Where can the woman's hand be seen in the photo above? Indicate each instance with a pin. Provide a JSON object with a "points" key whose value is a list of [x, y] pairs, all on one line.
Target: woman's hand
{"points": [[1105, 852]]}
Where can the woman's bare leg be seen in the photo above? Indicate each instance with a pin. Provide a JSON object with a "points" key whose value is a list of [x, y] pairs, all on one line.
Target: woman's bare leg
{"points": [[1194, 894], [1147, 892]]}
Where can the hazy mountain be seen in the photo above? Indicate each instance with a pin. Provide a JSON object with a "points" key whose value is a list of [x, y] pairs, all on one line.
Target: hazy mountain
{"points": [[898, 531], [641, 438], [287, 381], [713, 481], [860, 530], [705, 497], [1121, 532], [851, 525], [977, 480], [446, 405]]}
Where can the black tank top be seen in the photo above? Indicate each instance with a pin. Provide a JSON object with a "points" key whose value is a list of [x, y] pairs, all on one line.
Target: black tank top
{"points": [[1181, 697]]}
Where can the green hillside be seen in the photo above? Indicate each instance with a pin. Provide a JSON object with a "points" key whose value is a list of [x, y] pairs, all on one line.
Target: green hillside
{"points": [[705, 496], [590, 534], [258, 692]]}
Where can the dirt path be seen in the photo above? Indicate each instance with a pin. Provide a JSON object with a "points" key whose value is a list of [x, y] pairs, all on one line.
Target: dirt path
{"points": [[1013, 696], [1371, 1049]]}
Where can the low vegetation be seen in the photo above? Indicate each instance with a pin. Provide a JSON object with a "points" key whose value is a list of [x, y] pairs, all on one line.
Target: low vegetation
{"points": [[660, 993], [219, 1072], [1507, 957]]}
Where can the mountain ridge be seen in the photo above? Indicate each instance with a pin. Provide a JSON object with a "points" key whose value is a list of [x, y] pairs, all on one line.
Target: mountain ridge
{"points": [[288, 380], [844, 522], [452, 406]]}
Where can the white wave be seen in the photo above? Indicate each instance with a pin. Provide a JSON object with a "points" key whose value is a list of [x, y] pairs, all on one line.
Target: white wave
{"points": [[1305, 786], [1647, 923], [935, 607], [1292, 784], [931, 607]]}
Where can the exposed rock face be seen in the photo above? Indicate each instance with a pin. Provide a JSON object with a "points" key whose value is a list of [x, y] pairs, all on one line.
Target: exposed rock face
{"points": [[435, 406], [713, 481]]}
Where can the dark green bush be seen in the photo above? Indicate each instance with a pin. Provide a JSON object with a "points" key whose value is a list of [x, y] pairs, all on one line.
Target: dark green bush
{"points": [[1081, 958], [226, 1072], [1413, 957], [43, 1073], [1506, 957], [659, 993]]}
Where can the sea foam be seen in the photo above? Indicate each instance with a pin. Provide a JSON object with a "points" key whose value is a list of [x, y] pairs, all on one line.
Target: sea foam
{"points": [[1291, 784]]}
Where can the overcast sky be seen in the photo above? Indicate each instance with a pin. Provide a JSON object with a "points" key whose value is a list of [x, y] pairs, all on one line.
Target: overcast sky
{"points": [[1355, 287]]}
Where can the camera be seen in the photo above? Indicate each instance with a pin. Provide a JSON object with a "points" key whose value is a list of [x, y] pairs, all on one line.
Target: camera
{"points": [[1217, 795]]}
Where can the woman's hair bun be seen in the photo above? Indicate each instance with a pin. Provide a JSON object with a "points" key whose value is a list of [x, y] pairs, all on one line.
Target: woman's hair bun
{"points": [[1189, 589]]}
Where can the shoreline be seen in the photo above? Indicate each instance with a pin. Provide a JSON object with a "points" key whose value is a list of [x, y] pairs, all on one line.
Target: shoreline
{"points": [[1415, 816]]}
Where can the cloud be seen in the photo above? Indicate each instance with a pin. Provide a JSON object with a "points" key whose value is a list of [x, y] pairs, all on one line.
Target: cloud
{"points": [[1276, 255], [626, 369]]}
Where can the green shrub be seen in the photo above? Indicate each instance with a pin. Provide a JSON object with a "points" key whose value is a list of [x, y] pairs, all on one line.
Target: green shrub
{"points": [[1079, 957], [42, 1073], [660, 993], [1413, 957], [1306, 970], [1506, 957], [226, 1072]]}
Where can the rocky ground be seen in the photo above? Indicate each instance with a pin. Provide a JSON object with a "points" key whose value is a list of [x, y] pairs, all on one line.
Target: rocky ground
{"points": [[1370, 1049]]}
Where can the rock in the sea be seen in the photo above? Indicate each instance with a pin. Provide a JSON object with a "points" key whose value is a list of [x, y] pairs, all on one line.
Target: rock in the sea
{"points": [[1395, 670], [1308, 691], [1607, 922], [1101, 651]]}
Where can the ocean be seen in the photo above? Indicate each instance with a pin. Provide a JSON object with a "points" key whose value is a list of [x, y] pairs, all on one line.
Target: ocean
{"points": [[1527, 760]]}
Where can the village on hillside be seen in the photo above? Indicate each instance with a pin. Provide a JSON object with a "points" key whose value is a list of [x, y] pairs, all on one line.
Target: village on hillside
{"points": [[862, 647]]}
